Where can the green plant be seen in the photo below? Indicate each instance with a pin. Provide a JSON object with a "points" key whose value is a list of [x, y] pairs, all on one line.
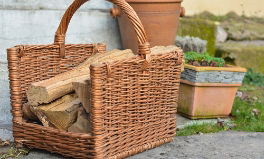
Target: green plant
{"points": [[248, 115], [199, 128], [198, 59], [254, 78]]}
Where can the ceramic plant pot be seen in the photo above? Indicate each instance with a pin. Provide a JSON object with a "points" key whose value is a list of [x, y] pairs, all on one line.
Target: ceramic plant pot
{"points": [[160, 19], [209, 92]]}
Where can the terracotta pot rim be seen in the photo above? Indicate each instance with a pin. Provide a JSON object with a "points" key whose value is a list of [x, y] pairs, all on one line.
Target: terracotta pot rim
{"points": [[196, 84], [154, 1], [229, 68]]}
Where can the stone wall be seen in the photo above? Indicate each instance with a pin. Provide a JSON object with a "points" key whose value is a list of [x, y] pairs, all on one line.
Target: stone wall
{"points": [[213, 76], [35, 22], [248, 54], [202, 28]]}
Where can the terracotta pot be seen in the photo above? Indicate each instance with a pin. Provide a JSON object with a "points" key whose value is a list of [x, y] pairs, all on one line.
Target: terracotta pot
{"points": [[209, 92], [159, 17]]}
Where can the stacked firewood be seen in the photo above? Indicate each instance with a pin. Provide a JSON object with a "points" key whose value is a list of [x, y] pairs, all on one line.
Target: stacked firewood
{"points": [[63, 102]]}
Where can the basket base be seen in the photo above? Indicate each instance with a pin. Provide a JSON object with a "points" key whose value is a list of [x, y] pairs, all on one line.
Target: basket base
{"points": [[43, 138]]}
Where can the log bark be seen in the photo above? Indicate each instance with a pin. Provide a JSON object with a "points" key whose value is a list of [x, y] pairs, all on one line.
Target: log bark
{"points": [[48, 90], [41, 116], [27, 112], [61, 113], [83, 90], [83, 123]]}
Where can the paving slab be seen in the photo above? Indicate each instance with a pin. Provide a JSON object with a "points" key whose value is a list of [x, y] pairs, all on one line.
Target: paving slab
{"points": [[235, 145], [38, 154]]}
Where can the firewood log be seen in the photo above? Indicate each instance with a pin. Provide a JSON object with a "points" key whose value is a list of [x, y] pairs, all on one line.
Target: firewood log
{"points": [[61, 113], [83, 123], [48, 90], [41, 116], [83, 90]]}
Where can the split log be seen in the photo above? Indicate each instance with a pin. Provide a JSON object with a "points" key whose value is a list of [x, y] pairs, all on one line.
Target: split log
{"points": [[48, 90], [163, 49], [61, 113], [41, 116], [83, 91], [83, 123]]}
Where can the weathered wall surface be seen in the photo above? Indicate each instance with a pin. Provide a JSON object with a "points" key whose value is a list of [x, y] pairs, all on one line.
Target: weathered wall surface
{"points": [[35, 22], [220, 7], [226, 77]]}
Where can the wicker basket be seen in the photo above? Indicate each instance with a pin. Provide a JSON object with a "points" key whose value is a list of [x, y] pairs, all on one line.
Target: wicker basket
{"points": [[133, 101]]}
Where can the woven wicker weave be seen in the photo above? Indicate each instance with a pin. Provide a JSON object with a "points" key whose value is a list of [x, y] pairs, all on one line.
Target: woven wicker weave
{"points": [[133, 101]]}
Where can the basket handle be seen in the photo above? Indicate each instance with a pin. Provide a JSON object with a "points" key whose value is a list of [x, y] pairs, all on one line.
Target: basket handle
{"points": [[144, 46]]}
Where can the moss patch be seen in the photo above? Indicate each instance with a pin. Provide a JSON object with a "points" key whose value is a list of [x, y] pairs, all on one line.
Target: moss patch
{"points": [[238, 27], [201, 28], [200, 128], [248, 56]]}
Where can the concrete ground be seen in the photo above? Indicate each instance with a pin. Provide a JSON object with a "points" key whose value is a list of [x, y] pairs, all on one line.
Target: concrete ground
{"points": [[223, 145], [229, 144]]}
